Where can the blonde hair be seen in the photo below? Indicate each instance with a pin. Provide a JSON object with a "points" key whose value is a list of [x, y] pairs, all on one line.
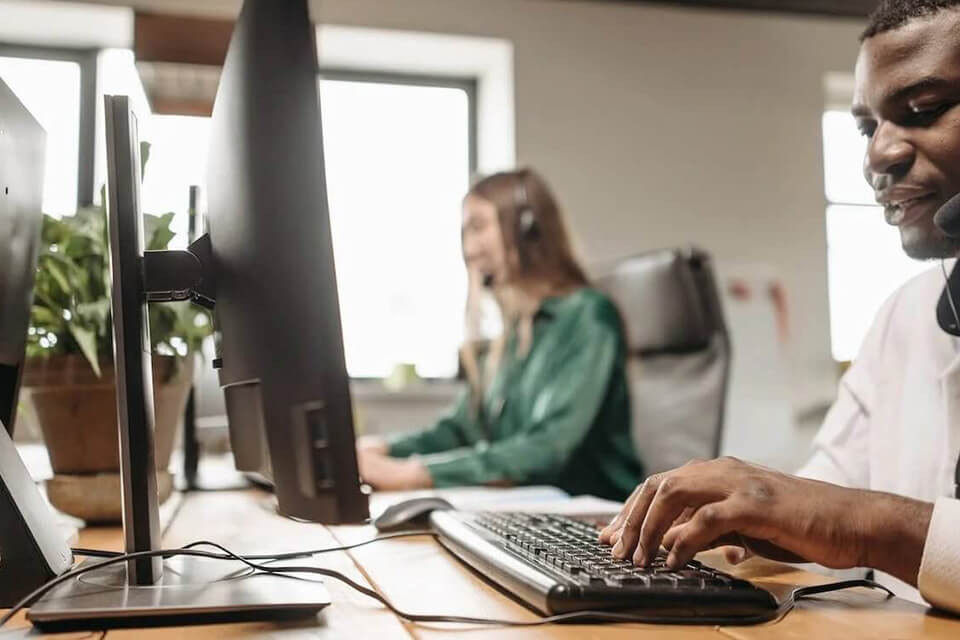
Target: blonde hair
{"points": [[539, 251]]}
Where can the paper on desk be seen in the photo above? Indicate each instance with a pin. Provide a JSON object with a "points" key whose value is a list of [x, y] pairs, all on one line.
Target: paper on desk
{"points": [[535, 499]]}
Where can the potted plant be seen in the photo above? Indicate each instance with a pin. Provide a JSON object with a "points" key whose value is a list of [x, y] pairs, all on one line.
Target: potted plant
{"points": [[69, 375]]}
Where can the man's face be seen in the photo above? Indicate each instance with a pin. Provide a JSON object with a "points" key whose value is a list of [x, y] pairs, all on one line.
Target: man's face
{"points": [[907, 102]]}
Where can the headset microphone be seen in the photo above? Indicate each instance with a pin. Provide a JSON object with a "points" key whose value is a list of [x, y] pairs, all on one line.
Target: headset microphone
{"points": [[947, 219]]}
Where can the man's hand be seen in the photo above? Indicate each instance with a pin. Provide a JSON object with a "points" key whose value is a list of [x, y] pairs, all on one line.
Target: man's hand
{"points": [[708, 504], [392, 474]]}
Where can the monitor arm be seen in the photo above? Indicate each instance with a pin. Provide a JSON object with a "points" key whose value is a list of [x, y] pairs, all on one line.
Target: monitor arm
{"points": [[181, 274]]}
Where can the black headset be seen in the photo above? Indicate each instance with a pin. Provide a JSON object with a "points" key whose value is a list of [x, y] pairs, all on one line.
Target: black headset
{"points": [[528, 228]]}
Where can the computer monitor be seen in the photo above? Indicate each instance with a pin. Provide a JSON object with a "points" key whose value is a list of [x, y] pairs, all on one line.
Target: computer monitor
{"points": [[266, 267], [22, 146], [31, 549], [281, 358]]}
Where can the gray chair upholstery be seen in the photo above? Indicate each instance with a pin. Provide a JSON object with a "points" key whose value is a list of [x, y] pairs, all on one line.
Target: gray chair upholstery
{"points": [[679, 353]]}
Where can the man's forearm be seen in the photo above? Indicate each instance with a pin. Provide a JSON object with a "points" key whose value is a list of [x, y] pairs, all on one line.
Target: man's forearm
{"points": [[895, 533]]}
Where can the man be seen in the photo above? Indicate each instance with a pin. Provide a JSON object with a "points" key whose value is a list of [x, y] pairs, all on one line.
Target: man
{"points": [[879, 490]]}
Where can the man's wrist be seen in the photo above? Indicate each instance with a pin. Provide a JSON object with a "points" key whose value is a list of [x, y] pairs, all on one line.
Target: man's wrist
{"points": [[895, 530]]}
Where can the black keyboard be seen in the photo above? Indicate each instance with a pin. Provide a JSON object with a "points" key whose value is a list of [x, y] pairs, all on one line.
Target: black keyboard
{"points": [[556, 565]]}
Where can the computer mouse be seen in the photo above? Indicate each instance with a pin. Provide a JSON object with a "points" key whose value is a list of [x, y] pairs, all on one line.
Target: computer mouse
{"points": [[409, 513]]}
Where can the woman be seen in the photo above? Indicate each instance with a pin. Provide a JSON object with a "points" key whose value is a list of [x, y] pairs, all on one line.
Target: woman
{"points": [[549, 402]]}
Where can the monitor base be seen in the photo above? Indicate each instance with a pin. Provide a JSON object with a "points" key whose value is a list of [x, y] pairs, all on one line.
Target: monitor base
{"points": [[192, 591]]}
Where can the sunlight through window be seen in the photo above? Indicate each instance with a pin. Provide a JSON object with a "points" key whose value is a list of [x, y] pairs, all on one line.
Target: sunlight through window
{"points": [[50, 90], [865, 263]]}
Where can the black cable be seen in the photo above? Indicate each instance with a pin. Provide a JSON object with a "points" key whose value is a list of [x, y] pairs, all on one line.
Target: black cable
{"points": [[95, 553], [98, 553], [597, 616], [946, 280]]}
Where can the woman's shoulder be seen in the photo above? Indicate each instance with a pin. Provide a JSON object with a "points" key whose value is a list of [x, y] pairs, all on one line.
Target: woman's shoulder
{"points": [[591, 303]]}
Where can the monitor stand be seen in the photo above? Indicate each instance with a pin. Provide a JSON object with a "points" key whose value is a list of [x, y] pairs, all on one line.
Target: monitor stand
{"points": [[149, 591], [191, 591]]}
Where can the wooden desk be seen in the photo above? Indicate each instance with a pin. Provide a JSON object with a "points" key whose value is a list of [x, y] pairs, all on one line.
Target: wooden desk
{"points": [[420, 576]]}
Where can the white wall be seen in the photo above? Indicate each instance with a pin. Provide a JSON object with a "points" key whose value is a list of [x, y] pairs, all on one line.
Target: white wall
{"points": [[661, 126]]}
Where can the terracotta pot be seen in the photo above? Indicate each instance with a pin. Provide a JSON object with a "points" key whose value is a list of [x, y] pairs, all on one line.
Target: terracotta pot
{"points": [[77, 411]]}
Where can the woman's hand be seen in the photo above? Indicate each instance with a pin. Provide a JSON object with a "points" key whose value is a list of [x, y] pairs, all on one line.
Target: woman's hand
{"points": [[729, 502], [375, 444], [391, 474]]}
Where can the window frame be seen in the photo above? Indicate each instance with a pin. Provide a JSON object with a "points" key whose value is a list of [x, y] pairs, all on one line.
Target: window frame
{"points": [[466, 84], [86, 59]]}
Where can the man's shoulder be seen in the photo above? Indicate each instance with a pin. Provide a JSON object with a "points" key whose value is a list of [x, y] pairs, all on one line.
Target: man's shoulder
{"points": [[908, 317], [922, 290]]}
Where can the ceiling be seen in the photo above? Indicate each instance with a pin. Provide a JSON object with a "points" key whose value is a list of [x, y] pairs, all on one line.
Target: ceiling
{"points": [[847, 8]]}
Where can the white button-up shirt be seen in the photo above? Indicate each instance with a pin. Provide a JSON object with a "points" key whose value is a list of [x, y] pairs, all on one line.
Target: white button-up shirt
{"points": [[895, 427]]}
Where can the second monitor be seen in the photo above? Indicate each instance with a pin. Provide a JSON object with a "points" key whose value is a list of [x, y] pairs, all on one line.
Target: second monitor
{"points": [[282, 364]]}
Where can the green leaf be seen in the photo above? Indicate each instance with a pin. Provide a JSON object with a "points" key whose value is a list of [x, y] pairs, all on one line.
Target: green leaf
{"points": [[44, 317], [144, 157], [94, 313], [87, 340], [157, 231], [52, 267], [53, 231]]}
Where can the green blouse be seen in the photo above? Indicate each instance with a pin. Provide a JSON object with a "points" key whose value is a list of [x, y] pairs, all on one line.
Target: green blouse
{"points": [[558, 416]]}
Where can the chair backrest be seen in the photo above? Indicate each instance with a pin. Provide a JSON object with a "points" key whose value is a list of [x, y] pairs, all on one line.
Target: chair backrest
{"points": [[679, 353]]}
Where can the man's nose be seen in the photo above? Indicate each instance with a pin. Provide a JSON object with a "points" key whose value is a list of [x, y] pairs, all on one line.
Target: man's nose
{"points": [[890, 154]]}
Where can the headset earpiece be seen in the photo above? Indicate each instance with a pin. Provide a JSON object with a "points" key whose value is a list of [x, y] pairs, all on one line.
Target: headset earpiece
{"points": [[527, 226]]}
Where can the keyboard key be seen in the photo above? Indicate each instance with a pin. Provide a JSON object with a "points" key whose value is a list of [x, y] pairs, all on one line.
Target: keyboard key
{"points": [[627, 580], [662, 580]]}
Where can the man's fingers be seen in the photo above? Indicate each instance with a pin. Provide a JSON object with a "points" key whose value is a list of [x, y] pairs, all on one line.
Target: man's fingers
{"points": [[736, 555], [606, 534], [673, 498], [626, 536], [710, 522], [730, 539]]}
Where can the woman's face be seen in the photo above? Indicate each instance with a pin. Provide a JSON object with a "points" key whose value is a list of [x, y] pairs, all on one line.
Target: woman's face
{"points": [[483, 248]]}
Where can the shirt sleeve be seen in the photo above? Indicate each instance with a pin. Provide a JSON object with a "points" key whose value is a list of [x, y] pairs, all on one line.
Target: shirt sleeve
{"points": [[450, 432], [563, 412], [939, 578]]}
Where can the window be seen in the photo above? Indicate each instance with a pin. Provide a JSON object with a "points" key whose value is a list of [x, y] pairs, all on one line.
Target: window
{"points": [[398, 161], [399, 153], [865, 262], [178, 145], [50, 90]]}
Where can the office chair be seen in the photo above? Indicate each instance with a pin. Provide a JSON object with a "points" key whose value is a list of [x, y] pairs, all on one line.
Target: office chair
{"points": [[679, 353]]}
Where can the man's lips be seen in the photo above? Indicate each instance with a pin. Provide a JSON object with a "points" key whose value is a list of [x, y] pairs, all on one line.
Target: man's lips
{"points": [[908, 209]]}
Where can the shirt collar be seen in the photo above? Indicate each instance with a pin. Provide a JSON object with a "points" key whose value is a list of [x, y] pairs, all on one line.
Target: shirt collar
{"points": [[555, 305]]}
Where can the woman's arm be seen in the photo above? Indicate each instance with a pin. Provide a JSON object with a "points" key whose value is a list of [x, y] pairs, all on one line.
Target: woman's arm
{"points": [[563, 411], [457, 429]]}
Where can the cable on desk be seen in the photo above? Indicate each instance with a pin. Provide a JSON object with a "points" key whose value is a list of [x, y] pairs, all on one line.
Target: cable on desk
{"points": [[95, 553], [98, 553], [584, 616]]}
